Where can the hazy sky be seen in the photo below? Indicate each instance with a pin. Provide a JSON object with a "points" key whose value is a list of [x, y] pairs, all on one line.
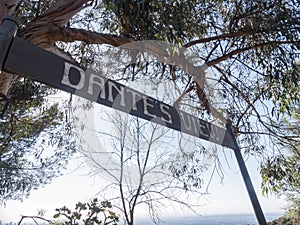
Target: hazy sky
{"points": [[229, 197]]}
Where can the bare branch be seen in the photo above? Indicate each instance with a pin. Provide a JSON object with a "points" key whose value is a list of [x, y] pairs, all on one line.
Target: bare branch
{"points": [[241, 50], [219, 37], [179, 99], [237, 34], [34, 219]]}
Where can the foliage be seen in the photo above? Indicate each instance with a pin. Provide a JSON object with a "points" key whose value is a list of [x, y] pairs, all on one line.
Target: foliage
{"points": [[28, 10], [171, 21], [292, 216], [281, 173], [187, 167], [250, 48], [35, 141], [90, 213], [94, 212], [293, 210], [35, 134]]}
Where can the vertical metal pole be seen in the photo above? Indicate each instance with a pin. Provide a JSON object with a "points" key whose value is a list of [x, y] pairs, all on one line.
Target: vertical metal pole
{"points": [[8, 30], [254, 200]]}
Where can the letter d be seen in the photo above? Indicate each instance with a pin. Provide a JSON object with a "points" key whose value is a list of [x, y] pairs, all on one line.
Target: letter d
{"points": [[65, 80]]}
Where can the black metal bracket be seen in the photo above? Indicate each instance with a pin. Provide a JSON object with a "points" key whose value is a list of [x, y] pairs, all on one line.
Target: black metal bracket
{"points": [[8, 30]]}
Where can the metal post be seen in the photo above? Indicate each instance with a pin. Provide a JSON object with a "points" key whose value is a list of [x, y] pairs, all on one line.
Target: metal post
{"points": [[255, 203], [8, 30]]}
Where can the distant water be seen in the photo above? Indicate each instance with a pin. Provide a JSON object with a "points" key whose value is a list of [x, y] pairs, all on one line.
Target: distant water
{"points": [[237, 219], [240, 219]]}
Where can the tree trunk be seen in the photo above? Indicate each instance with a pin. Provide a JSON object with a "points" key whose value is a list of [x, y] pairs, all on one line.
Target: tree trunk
{"points": [[37, 31]]}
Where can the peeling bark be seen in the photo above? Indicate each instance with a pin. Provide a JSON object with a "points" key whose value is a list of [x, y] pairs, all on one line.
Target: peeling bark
{"points": [[62, 11], [46, 35], [58, 15]]}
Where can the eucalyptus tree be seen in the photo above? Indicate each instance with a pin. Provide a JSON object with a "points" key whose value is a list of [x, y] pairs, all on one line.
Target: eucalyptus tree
{"points": [[280, 173], [248, 47], [35, 132], [35, 140]]}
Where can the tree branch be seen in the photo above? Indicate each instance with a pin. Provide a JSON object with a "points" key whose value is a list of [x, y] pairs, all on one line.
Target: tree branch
{"points": [[45, 35], [65, 34], [241, 50], [33, 218], [207, 106], [218, 37], [251, 104], [234, 35], [188, 90]]}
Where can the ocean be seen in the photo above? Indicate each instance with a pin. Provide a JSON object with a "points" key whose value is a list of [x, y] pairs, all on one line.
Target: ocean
{"points": [[235, 219], [239, 219]]}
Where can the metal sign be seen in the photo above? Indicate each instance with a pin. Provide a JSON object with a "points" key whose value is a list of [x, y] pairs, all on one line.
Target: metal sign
{"points": [[29, 60]]}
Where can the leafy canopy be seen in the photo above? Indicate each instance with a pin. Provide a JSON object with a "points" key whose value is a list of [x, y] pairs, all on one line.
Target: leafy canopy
{"points": [[34, 140], [249, 47]]}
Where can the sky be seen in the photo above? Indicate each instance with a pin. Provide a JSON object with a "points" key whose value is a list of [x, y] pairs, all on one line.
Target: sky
{"points": [[225, 196], [228, 196]]}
